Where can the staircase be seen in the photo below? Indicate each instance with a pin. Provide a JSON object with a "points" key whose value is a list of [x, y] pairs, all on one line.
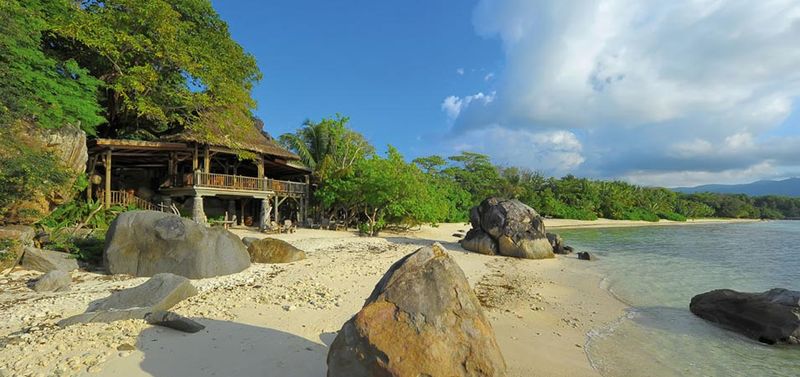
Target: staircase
{"points": [[127, 199]]}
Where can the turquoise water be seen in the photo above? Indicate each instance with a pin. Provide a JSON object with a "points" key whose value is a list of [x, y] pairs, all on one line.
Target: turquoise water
{"points": [[657, 270]]}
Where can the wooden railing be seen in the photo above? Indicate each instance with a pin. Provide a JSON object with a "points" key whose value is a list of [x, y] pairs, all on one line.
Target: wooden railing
{"points": [[238, 182], [129, 199]]}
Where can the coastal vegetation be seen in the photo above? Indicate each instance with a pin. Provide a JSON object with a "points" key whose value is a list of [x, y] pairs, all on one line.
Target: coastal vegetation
{"points": [[386, 191], [117, 70]]}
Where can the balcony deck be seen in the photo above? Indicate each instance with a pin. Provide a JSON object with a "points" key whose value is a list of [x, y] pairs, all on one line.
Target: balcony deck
{"points": [[236, 184]]}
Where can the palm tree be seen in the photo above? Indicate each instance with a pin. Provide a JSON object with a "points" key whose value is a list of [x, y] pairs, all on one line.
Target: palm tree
{"points": [[327, 147]]}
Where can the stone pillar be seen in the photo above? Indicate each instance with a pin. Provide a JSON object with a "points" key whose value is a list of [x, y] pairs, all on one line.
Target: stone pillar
{"points": [[277, 215], [198, 214], [231, 209], [263, 219]]}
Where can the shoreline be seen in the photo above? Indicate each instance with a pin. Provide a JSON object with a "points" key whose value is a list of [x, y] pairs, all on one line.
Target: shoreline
{"points": [[283, 317]]}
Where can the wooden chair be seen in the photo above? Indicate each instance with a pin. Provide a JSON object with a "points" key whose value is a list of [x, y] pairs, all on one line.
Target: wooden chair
{"points": [[325, 224]]}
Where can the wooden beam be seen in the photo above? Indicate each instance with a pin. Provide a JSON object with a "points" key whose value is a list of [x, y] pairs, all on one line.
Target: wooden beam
{"points": [[194, 159], [107, 193], [260, 168], [206, 160]]}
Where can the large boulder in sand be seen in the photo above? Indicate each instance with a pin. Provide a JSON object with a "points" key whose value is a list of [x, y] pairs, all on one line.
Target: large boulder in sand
{"points": [[56, 280], [422, 319], [271, 250], [145, 243], [517, 229], [46, 260], [159, 293], [480, 242], [771, 317]]}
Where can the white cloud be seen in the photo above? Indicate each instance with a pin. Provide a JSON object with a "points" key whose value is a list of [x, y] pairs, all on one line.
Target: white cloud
{"points": [[453, 106], [662, 79], [690, 178], [489, 77], [551, 152], [460, 71]]}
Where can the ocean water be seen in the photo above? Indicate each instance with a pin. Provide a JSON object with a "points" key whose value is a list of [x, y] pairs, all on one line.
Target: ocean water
{"points": [[657, 270]]}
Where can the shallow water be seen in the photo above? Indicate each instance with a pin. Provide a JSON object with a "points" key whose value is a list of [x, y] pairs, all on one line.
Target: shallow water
{"points": [[657, 270]]}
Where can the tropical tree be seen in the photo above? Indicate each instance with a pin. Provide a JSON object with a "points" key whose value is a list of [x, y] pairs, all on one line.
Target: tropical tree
{"points": [[166, 65], [37, 86], [328, 147]]}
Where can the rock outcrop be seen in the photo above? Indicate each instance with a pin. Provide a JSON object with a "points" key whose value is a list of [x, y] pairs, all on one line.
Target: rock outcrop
{"points": [[56, 280], [159, 293], [46, 260], [509, 228], [271, 250], [771, 317], [584, 255], [145, 243], [68, 145], [422, 319], [558, 244]]}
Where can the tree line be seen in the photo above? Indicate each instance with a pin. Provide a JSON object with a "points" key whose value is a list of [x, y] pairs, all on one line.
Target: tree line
{"points": [[355, 183]]}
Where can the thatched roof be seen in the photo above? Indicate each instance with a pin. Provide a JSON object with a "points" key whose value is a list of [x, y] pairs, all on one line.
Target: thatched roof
{"points": [[254, 140]]}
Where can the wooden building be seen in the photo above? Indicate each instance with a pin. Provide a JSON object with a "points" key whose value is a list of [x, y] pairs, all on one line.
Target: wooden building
{"points": [[256, 182]]}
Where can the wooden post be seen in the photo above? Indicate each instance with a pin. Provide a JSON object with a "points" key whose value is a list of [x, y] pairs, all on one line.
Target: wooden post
{"points": [[171, 168], [206, 160], [107, 194], [260, 168], [194, 159]]}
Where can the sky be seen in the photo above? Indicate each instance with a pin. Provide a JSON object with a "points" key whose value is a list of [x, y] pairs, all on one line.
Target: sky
{"points": [[666, 93]]}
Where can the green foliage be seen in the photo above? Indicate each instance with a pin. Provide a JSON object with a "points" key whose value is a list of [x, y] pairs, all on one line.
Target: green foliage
{"points": [[640, 214], [26, 171], [671, 216], [37, 85], [93, 217], [8, 249], [328, 147], [166, 65]]}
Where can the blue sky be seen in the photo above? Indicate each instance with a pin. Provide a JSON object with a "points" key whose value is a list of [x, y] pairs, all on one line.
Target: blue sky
{"points": [[386, 64], [663, 93]]}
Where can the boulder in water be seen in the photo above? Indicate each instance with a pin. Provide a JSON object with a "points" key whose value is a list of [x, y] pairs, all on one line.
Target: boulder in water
{"points": [[771, 317], [422, 319], [145, 243], [584, 255]]}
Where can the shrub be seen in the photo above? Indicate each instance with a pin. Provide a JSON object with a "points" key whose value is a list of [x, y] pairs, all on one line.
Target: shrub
{"points": [[640, 214], [671, 216]]}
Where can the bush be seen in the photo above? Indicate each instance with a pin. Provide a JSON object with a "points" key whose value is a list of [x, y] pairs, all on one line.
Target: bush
{"points": [[640, 214], [671, 216]]}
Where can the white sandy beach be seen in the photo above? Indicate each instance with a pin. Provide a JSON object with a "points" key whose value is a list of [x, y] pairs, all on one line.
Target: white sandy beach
{"points": [[278, 320]]}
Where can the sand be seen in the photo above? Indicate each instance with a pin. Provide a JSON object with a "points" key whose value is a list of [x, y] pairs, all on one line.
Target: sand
{"points": [[278, 320]]}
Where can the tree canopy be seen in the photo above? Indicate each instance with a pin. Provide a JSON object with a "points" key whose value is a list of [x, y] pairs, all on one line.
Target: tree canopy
{"points": [[38, 87], [125, 68]]}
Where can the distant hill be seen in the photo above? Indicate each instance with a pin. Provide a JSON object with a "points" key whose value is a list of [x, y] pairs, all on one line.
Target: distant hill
{"points": [[786, 187]]}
